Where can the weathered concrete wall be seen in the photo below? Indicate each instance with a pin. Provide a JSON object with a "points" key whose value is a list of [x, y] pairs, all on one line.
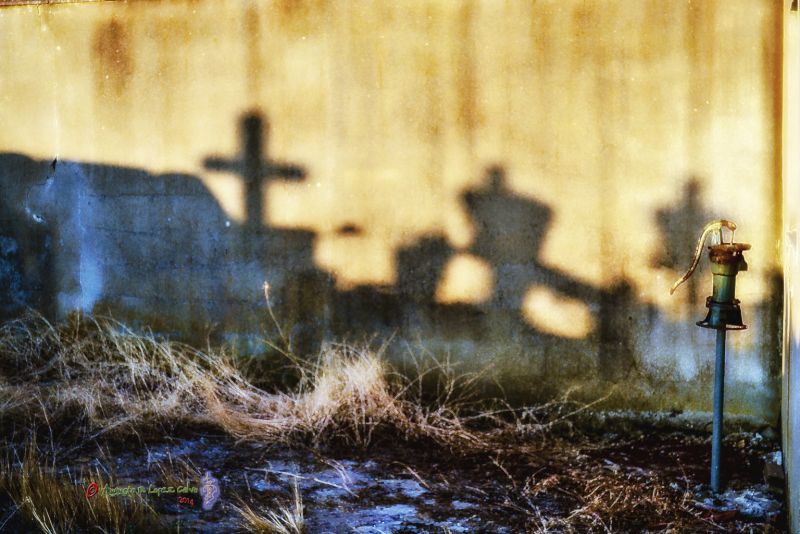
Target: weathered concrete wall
{"points": [[791, 259], [516, 183]]}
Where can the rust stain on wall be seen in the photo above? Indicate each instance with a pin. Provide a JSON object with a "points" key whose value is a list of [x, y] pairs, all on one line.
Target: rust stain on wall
{"points": [[465, 59], [302, 16], [114, 64]]}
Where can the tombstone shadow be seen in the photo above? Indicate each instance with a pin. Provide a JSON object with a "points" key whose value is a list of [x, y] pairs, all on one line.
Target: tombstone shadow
{"points": [[26, 239], [680, 227], [157, 249], [510, 231], [299, 287], [161, 251]]}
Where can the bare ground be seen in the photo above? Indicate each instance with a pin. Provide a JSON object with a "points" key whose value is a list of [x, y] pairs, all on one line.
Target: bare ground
{"points": [[644, 483]]}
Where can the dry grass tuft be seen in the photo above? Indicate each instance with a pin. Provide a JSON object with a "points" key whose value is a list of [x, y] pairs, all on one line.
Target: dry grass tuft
{"points": [[56, 504], [285, 521], [176, 473], [596, 499], [110, 379]]}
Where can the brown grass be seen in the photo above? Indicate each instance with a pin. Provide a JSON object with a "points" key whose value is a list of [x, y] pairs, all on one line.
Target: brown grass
{"points": [[603, 501], [287, 520], [56, 504], [112, 380]]}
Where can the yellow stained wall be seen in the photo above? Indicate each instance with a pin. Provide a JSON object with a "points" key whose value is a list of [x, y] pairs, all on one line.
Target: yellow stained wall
{"points": [[601, 111], [790, 408]]}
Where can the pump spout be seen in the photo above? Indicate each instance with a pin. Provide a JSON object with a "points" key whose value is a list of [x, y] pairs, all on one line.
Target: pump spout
{"points": [[710, 227]]}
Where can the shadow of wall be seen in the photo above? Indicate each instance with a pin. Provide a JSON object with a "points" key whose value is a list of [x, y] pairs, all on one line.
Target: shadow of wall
{"points": [[158, 250], [26, 240]]}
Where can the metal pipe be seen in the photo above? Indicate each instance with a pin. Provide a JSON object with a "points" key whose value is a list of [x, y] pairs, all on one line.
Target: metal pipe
{"points": [[719, 400]]}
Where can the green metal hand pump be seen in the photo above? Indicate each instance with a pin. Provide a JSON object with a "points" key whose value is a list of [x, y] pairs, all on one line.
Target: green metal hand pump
{"points": [[724, 314]]}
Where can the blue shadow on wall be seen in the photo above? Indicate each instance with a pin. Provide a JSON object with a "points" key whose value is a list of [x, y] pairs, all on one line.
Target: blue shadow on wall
{"points": [[159, 249]]}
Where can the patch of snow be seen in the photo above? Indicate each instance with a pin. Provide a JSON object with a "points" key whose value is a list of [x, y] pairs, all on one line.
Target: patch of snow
{"points": [[461, 505], [454, 527], [774, 457], [381, 518], [409, 488], [261, 485], [611, 466], [754, 502]]}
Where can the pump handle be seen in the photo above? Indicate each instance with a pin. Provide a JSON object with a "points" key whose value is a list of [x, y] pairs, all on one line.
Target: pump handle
{"points": [[710, 227]]}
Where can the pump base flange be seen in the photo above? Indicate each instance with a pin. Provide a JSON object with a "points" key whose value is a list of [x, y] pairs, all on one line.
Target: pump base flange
{"points": [[722, 316]]}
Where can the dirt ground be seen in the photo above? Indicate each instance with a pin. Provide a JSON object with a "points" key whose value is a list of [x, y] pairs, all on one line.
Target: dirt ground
{"points": [[645, 482]]}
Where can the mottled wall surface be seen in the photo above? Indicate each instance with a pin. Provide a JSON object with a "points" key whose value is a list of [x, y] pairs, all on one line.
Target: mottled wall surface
{"points": [[791, 258], [515, 183]]}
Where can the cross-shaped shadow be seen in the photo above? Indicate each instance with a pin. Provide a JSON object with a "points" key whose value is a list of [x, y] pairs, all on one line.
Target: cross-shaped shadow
{"points": [[680, 227], [254, 166]]}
